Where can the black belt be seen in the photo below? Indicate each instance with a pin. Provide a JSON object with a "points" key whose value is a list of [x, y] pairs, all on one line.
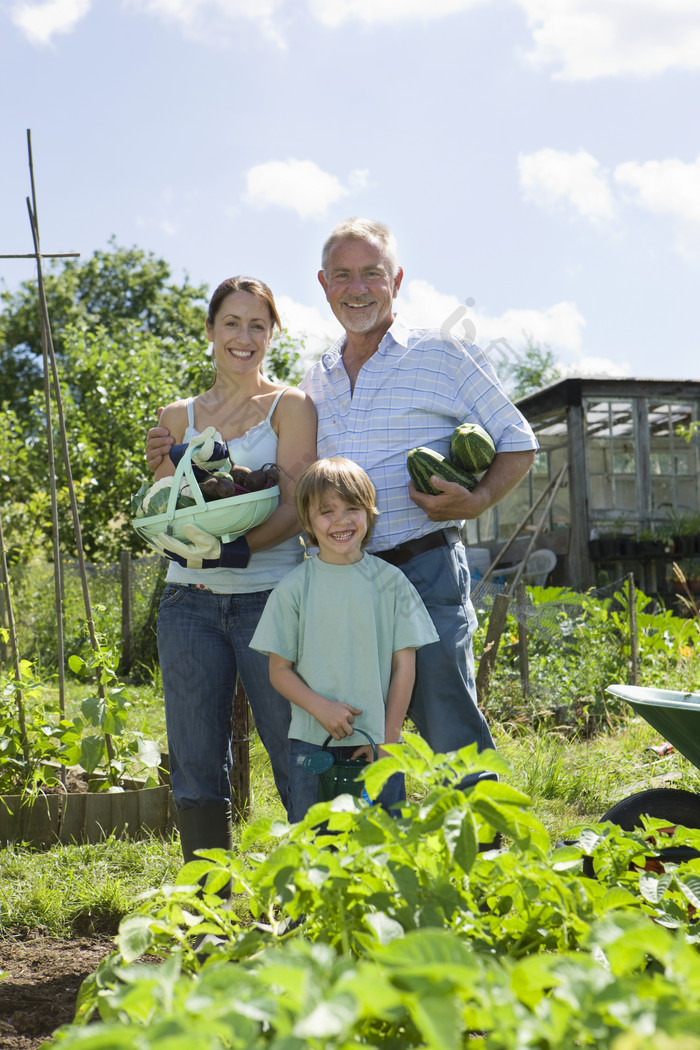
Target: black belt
{"points": [[403, 552]]}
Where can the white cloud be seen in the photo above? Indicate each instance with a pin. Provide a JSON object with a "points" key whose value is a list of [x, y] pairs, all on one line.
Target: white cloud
{"points": [[551, 177], [421, 305], [667, 187], [333, 12], [586, 39], [209, 21], [317, 328], [594, 366], [500, 336], [299, 185], [41, 22]]}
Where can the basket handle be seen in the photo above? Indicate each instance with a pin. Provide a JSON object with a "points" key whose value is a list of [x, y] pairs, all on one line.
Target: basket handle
{"points": [[374, 746], [185, 467]]}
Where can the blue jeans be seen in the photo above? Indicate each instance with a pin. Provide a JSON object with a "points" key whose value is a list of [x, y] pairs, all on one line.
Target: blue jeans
{"points": [[203, 644], [444, 704], [303, 786]]}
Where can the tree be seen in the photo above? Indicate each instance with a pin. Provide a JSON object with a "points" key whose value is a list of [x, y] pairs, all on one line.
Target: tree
{"points": [[109, 289], [536, 369]]}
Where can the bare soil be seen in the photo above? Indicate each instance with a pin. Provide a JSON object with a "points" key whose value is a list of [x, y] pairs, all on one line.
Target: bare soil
{"points": [[41, 992]]}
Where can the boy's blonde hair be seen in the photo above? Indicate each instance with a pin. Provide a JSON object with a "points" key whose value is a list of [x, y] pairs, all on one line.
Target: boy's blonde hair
{"points": [[345, 478]]}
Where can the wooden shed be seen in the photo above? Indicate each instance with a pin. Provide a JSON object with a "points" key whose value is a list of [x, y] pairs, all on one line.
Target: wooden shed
{"points": [[630, 501]]}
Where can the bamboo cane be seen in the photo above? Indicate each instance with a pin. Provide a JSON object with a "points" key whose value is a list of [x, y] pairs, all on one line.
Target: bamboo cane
{"points": [[50, 356], [19, 694]]}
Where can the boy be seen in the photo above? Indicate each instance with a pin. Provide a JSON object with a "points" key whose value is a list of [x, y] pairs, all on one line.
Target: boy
{"points": [[342, 631]]}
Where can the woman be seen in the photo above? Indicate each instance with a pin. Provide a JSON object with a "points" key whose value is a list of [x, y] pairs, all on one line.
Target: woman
{"points": [[207, 615]]}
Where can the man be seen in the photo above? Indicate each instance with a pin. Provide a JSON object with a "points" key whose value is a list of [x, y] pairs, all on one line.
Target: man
{"points": [[381, 390]]}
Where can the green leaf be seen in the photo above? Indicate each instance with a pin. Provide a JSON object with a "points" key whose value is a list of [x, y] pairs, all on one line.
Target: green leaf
{"points": [[436, 953], [135, 937], [690, 886], [385, 929], [653, 887], [149, 753], [77, 665], [92, 751], [330, 1018], [438, 1019], [95, 709]]}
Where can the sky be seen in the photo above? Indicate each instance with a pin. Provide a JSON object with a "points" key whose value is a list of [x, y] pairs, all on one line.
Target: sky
{"points": [[537, 160]]}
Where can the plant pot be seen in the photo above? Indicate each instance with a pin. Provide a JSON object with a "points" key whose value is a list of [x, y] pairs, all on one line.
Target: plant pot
{"points": [[683, 546]]}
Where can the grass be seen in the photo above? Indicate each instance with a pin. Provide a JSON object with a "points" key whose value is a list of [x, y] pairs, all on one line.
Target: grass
{"points": [[80, 890], [576, 781]]}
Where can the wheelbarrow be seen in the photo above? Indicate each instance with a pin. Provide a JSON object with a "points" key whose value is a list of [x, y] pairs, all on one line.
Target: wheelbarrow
{"points": [[676, 716]]}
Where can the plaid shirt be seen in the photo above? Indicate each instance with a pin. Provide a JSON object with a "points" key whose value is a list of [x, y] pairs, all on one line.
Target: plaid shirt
{"points": [[419, 385]]}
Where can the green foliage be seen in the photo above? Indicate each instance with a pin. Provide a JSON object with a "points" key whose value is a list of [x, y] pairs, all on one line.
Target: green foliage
{"points": [[113, 387], [537, 368], [33, 595], [282, 361], [688, 432], [27, 733], [579, 643], [36, 737], [115, 748], [355, 929], [110, 289]]}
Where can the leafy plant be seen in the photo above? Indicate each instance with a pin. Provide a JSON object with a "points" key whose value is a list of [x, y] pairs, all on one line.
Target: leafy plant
{"points": [[355, 929], [578, 644], [112, 749], [36, 739], [28, 741]]}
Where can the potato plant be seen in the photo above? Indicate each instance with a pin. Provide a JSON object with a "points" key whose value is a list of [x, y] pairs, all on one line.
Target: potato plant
{"points": [[355, 929]]}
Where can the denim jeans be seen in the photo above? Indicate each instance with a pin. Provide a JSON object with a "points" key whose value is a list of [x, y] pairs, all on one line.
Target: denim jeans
{"points": [[203, 644], [444, 704], [303, 786]]}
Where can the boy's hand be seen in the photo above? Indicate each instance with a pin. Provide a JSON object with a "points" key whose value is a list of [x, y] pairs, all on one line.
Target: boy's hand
{"points": [[365, 752], [337, 719]]}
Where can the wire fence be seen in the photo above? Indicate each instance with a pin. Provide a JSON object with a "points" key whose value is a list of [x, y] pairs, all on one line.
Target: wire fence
{"points": [[124, 596]]}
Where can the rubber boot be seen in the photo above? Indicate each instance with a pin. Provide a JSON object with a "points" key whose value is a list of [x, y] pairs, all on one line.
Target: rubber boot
{"points": [[205, 827]]}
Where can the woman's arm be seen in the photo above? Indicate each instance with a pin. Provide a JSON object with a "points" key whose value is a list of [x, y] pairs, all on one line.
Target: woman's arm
{"points": [[335, 716], [175, 419], [295, 423]]}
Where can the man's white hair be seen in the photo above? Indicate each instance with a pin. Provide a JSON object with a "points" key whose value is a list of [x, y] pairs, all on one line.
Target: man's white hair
{"points": [[363, 230]]}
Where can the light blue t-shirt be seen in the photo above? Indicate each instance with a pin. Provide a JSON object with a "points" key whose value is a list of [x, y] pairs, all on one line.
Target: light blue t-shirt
{"points": [[340, 625]]}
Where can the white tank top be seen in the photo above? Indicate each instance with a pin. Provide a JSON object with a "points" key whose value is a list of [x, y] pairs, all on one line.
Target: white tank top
{"points": [[257, 447]]}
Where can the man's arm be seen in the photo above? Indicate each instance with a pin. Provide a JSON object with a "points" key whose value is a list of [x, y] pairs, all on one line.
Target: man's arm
{"points": [[455, 502]]}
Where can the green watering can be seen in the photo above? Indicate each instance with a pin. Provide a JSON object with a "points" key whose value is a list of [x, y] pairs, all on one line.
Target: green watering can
{"points": [[338, 776]]}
